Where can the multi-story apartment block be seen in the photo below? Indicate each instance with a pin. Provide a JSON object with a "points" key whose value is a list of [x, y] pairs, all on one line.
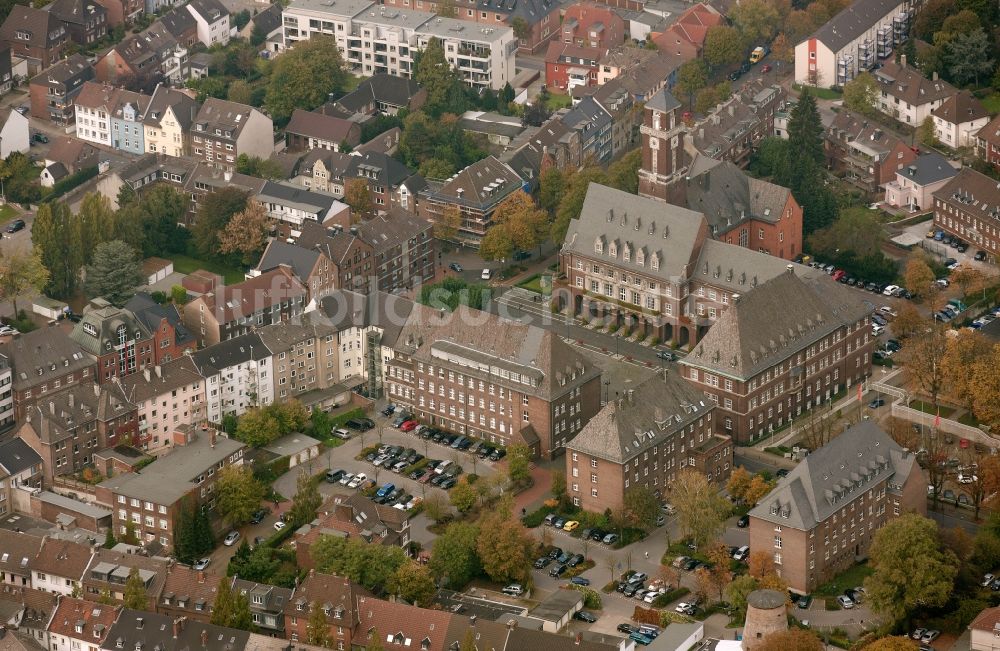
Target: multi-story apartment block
{"points": [[68, 427], [741, 209], [377, 39], [644, 264], [587, 33], [35, 35], [822, 517], [304, 355], [54, 91], [20, 468], [213, 21], [118, 342], [86, 21], [762, 374], [476, 191], [733, 129], [968, 206], [237, 376], [685, 38], [916, 184], [42, 362], [855, 40], [309, 264], [904, 93], [864, 153], [152, 500], [171, 340], [111, 116], [189, 593], [644, 437], [79, 625], [60, 565], [337, 597], [233, 310], [958, 119], [223, 130], [166, 397], [168, 120], [480, 375], [390, 183], [267, 604], [6, 391]]}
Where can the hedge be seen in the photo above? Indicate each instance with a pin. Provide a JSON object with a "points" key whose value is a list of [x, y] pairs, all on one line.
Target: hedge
{"points": [[665, 598], [348, 415], [535, 518], [267, 473], [66, 184]]}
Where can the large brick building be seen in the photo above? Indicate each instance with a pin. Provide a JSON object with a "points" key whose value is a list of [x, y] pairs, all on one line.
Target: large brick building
{"points": [[480, 375], [43, 362], [644, 438], [787, 346], [822, 517], [968, 206]]}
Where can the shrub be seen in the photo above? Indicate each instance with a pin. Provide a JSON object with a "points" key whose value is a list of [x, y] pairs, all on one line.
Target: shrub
{"points": [[591, 598], [159, 297], [672, 595], [646, 616], [535, 518], [73, 180]]}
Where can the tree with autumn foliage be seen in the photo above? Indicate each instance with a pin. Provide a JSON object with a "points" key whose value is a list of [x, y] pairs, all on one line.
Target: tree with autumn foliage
{"points": [[918, 276], [924, 360], [504, 548], [794, 639], [358, 197], [739, 482], [246, 233], [761, 567], [518, 224], [894, 643], [961, 353], [985, 387], [447, 223]]}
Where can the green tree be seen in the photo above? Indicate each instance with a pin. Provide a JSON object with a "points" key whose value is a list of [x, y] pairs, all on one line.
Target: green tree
{"points": [[59, 253], [114, 273], [263, 168], [910, 570], [931, 18], [130, 538], [454, 559], [522, 30], [551, 185], [21, 271], [559, 487], [504, 548], [238, 494], [290, 415], [135, 596], [856, 230], [214, 213], [156, 214], [109, 539], [374, 642], [968, 58], [304, 77], [927, 133], [724, 45], [701, 510], [222, 608], [445, 92], [412, 582], [738, 591], [317, 628], [571, 204], [185, 545], [860, 94], [692, 76], [756, 20], [463, 495], [641, 507], [257, 427], [623, 174], [241, 618], [240, 92], [518, 463], [805, 129], [306, 502]]}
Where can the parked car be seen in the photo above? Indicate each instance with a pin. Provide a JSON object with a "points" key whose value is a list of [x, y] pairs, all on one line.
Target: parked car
{"points": [[15, 226], [514, 590], [260, 514], [358, 480], [686, 608], [636, 636], [610, 539], [585, 616], [576, 560], [542, 562], [626, 628], [409, 426], [454, 266], [279, 525], [201, 563], [918, 633], [40, 137], [346, 479], [558, 570], [571, 525], [486, 274], [845, 602], [743, 522], [929, 636], [742, 553], [231, 538], [804, 601], [580, 580], [876, 403]]}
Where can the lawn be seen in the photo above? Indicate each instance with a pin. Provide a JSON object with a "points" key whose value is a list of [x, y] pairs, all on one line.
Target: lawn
{"points": [[851, 578], [929, 408], [992, 103], [185, 264], [968, 419], [532, 283], [821, 93], [7, 212], [557, 101]]}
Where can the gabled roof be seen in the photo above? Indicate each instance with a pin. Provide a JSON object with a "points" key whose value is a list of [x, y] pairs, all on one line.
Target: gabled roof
{"points": [[151, 314], [162, 379], [57, 416], [40, 355], [233, 302], [211, 10], [388, 312], [484, 183], [973, 193], [300, 259], [960, 108], [184, 107], [64, 72], [852, 22], [282, 337], [380, 89], [72, 152], [333, 593], [38, 24], [747, 339], [189, 589], [179, 23], [75, 11], [322, 127], [398, 625], [83, 620], [18, 552], [727, 196], [223, 119], [841, 471], [154, 631], [587, 116], [647, 415], [230, 352], [988, 620], [62, 558], [17, 456], [909, 85], [97, 331], [692, 25], [397, 227], [379, 167], [268, 20], [858, 129]]}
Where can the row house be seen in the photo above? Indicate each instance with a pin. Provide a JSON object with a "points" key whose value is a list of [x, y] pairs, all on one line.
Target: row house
{"points": [[122, 343], [475, 191], [212, 18], [189, 593], [151, 502], [313, 130], [223, 130], [733, 130], [37, 36], [78, 625], [958, 119], [143, 60], [336, 597], [644, 438], [109, 569], [525, 386], [181, 24], [267, 604], [384, 39], [54, 91], [905, 94], [122, 12], [857, 39], [232, 310], [380, 94], [238, 376], [587, 33], [595, 124], [21, 469], [167, 122], [138, 629], [987, 142], [311, 265], [824, 515], [111, 116], [86, 21], [6, 392], [42, 362], [618, 103], [762, 374], [390, 183], [293, 205], [354, 516], [864, 153], [60, 565], [685, 38], [67, 428], [968, 206], [537, 149], [165, 397], [304, 356]]}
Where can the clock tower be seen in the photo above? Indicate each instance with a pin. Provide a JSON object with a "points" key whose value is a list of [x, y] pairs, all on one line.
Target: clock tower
{"points": [[662, 146]]}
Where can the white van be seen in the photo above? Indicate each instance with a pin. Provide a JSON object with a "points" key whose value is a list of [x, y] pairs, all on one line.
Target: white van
{"points": [[441, 467]]}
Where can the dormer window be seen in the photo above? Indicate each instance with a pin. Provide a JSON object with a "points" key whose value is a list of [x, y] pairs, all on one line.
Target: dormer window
{"points": [[640, 257], [613, 249], [655, 262], [598, 246], [627, 253]]}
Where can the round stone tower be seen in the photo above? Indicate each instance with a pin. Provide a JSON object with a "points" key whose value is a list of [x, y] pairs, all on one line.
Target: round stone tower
{"points": [[765, 615]]}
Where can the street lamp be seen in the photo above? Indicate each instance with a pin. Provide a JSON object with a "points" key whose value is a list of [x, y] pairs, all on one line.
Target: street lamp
{"points": [[607, 385]]}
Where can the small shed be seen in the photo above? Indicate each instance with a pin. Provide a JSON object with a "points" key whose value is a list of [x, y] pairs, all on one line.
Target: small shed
{"points": [[49, 308], [156, 269], [558, 609], [201, 281], [299, 448]]}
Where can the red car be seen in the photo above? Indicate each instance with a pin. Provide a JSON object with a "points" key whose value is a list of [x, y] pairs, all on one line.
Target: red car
{"points": [[838, 274], [766, 68], [409, 426]]}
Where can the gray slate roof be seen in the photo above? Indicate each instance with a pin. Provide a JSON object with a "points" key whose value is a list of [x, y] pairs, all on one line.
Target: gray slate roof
{"points": [[156, 631], [657, 409], [837, 473], [740, 269], [852, 22], [300, 259], [773, 322], [41, 355], [230, 352], [16, 456], [387, 89], [346, 309], [663, 231], [663, 101], [929, 167], [727, 196]]}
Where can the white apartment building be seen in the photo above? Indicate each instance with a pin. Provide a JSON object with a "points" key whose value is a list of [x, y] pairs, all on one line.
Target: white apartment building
{"points": [[212, 18], [237, 376], [377, 39], [854, 40], [6, 391], [94, 106], [905, 94], [294, 205]]}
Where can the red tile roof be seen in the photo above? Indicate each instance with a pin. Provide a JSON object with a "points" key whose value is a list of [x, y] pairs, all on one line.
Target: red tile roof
{"points": [[401, 626], [261, 292], [83, 620]]}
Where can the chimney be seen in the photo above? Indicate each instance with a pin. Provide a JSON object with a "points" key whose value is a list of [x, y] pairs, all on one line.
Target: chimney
{"points": [[178, 627], [201, 576], [97, 390], [312, 572], [228, 176], [934, 76], [902, 60], [145, 374], [790, 267], [211, 438], [472, 620], [204, 638], [158, 371], [72, 400], [579, 638], [52, 408]]}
